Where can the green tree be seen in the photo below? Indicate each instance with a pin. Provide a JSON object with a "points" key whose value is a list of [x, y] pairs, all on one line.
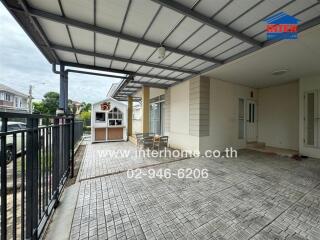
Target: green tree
{"points": [[85, 117], [49, 104], [85, 107]]}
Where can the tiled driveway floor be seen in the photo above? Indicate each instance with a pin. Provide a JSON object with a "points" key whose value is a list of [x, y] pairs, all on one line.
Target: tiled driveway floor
{"points": [[98, 161], [255, 196]]}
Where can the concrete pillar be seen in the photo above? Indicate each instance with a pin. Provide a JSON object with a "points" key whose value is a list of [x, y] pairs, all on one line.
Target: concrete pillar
{"points": [[145, 109], [63, 98], [130, 108]]}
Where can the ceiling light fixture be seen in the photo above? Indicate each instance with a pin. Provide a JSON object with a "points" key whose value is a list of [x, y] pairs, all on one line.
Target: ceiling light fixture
{"points": [[279, 72], [161, 52]]}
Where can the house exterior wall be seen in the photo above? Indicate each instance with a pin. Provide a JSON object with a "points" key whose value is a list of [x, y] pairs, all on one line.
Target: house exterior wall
{"points": [[96, 107], [224, 127], [179, 118], [12, 102], [199, 95], [307, 84], [278, 114], [167, 115]]}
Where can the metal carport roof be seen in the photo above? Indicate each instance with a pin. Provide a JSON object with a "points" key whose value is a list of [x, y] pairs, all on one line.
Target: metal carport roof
{"points": [[123, 35]]}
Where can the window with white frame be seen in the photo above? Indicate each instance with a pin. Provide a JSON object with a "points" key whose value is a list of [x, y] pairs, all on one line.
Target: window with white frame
{"points": [[312, 118], [7, 97], [115, 117]]}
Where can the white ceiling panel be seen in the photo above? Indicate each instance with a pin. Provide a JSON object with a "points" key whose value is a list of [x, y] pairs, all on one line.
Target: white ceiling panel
{"points": [[162, 81], [263, 9], [261, 37], [204, 33], [101, 62], [175, 74], [56, 32], [211, 43], [154, 80], [51, 6], [242, 47], [257, 28], [143, 52], [105, 44], [139, 17], [165, 73], [82, 39], [309, 14], [125, 48], [132, 67], [81, 10], [227, 45], [84, 59], [167, 82], [66, 56], [183, 61], [297, 6], [137, 78], [209, 7], [144, 69], [110, 13], [233, 10], [194, 63], [163, 24], [203, 66], [173, 57], [118, 65], [185, 29], [184, 75], [155, 71], [187, 3], [155, 57]]}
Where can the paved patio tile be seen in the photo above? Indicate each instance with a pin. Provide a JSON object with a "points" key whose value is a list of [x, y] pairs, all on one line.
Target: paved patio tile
{"points": [[99, 162], [255, 196]]}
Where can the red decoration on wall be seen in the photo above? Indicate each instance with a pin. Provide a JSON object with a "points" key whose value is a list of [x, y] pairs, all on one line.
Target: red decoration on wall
{"points": [[105, 106]]}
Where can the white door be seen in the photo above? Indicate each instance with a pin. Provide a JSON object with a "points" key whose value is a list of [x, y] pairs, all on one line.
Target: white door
{"points": [[251, 121]]}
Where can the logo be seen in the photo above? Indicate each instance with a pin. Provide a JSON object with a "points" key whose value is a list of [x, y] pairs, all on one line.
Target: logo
{"points": [[105, 106], [282, 26]]}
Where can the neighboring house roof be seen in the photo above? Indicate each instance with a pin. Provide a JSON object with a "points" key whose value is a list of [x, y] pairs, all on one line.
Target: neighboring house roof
{"points": [[11, 90], [76, 103], [112, 89], [112, 99], [282, 18]]}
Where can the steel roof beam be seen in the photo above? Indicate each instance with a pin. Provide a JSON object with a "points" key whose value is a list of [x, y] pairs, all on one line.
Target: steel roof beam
{"points": [[35, 23], [173, 5], [96, 74], [110, 57], [85, 66], [86, 26], [149, 84]]}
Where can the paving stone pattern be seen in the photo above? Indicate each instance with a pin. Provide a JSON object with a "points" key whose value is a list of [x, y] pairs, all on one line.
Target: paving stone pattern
{"points": [[256, 196], [98, 162]]}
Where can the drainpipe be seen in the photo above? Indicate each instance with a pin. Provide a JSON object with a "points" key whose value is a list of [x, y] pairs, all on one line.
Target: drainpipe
{"points": [[63, 96]]}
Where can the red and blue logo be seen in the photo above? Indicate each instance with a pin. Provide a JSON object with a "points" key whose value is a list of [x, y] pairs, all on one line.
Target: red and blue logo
{"points": [[282, 26]]}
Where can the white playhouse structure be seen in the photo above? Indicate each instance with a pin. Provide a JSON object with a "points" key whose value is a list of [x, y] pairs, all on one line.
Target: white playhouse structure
{"points": [[109, 121]]}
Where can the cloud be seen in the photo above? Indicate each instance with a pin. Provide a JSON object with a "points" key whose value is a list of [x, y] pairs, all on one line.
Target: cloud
{"points": [[22, 65]]}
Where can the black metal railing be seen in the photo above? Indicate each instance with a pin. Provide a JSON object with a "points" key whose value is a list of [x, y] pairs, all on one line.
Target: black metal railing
{"points": [[35, 162]]}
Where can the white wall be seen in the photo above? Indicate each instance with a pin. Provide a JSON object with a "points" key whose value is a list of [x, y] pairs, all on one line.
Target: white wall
{"points": [[307, 84], [179, 119], [224, 100], [155, 92], [278, 114]]}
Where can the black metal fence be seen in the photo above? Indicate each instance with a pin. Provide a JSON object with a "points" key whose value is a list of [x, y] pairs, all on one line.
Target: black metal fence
{"points": [[35, 162]]}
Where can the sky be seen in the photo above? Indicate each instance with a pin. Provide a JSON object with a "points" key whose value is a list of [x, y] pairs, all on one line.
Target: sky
{"points": [[22, 65]]}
